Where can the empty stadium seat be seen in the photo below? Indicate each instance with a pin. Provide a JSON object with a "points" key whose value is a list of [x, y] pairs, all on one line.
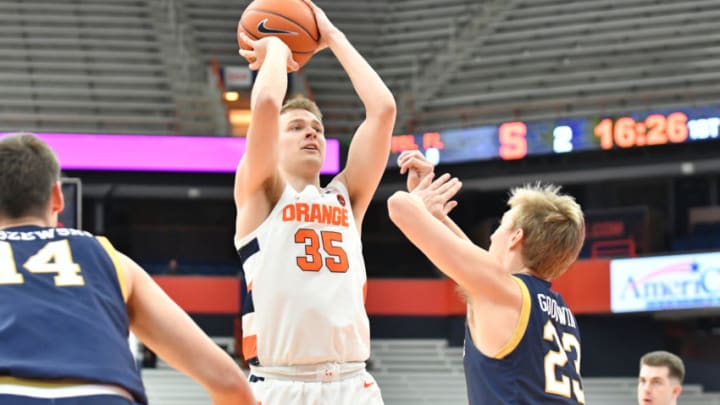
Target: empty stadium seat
{"points": [[82, 66], [549, 59], [419, 372]]}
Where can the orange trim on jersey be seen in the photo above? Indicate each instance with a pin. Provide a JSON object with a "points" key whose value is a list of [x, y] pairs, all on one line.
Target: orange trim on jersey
{"points": [[249, 346], [364, 293], [250, 286], [119, 270], [522, 322]]}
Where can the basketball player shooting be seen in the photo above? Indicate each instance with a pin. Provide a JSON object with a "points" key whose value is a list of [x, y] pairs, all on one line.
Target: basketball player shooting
{"points": [[305, 329]]}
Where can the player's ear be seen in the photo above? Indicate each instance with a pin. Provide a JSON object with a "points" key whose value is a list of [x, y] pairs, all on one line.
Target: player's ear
{"points": [[677, 389], [517, 236], [57, 202]]}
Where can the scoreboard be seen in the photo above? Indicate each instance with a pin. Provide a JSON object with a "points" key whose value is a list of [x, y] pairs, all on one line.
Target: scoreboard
{"points": [[519, 139]]}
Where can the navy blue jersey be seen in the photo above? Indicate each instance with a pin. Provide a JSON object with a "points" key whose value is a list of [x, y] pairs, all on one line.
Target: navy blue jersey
{"points": [[62, 309], [540, 364]]}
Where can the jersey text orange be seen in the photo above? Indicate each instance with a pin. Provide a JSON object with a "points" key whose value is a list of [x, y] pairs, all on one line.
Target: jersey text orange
{"points": [[318, 213]]}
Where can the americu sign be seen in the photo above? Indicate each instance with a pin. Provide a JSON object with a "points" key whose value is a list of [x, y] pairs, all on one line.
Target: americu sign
{"points": [[665, 282]]}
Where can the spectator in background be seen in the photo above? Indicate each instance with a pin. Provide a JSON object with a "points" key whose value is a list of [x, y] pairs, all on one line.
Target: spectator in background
{"points": [[660, 380]]}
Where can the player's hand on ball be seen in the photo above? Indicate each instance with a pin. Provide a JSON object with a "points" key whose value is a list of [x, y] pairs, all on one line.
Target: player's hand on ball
{"points": [[325, 27], [258, 50]]}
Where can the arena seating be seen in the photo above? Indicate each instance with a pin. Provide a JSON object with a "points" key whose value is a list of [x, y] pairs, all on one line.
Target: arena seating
{"points": [[213, 29], [82, 66], [400, 39], [418, 372], [328, 83], [198, 99], [423, 41], [141, 66], [465, 64], [548, 58], [165, 386]]}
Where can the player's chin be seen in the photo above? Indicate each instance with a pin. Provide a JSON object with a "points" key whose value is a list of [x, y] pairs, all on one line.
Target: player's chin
{"points": [[314, 159]]}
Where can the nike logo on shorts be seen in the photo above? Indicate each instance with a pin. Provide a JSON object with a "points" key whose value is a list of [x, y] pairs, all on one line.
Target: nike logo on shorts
{"points": [[368, 384]]}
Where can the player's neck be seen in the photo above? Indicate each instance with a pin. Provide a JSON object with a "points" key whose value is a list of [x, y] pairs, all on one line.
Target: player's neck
{"points": [[531, 272], [301, 174], [23, 221], [300, 182]]}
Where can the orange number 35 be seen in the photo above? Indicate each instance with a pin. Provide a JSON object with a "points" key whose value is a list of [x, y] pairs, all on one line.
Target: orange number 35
{"points": [[336, 260]]}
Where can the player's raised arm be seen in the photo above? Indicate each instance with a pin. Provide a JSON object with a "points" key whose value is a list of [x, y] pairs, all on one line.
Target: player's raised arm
{"points": [[271, 57], [166, 329], [473, 268], [370, 147], [417, 167]]}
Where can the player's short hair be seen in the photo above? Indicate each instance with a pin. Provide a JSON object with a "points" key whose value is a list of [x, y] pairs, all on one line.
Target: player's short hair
{"points": [[28, 171], [300, 102], [662, 358], [553, 226]]}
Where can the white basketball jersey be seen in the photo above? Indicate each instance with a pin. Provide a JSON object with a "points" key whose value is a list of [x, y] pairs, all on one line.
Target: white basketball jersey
{"points": [[306, 278]]}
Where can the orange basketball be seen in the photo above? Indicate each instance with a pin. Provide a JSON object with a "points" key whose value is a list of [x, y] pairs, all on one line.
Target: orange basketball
{"points": [[293, 21]]}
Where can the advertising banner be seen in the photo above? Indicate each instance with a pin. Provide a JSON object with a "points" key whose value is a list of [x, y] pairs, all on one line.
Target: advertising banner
{"points": [[659, 283]]}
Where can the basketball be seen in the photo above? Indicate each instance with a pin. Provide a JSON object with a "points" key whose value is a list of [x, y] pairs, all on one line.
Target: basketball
{"points": [[290, 20]]}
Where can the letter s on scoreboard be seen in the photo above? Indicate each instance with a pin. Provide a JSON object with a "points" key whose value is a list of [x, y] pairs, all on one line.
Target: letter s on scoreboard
{"points": [[513, 140]]}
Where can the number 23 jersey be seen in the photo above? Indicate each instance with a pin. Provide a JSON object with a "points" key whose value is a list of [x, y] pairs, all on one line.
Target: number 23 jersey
{"points": [[305, 279], [541, 362]]}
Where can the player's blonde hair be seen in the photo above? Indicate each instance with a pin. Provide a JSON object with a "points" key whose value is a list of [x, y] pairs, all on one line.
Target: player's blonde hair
{"points": [[553, 226], [300, 102]]}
